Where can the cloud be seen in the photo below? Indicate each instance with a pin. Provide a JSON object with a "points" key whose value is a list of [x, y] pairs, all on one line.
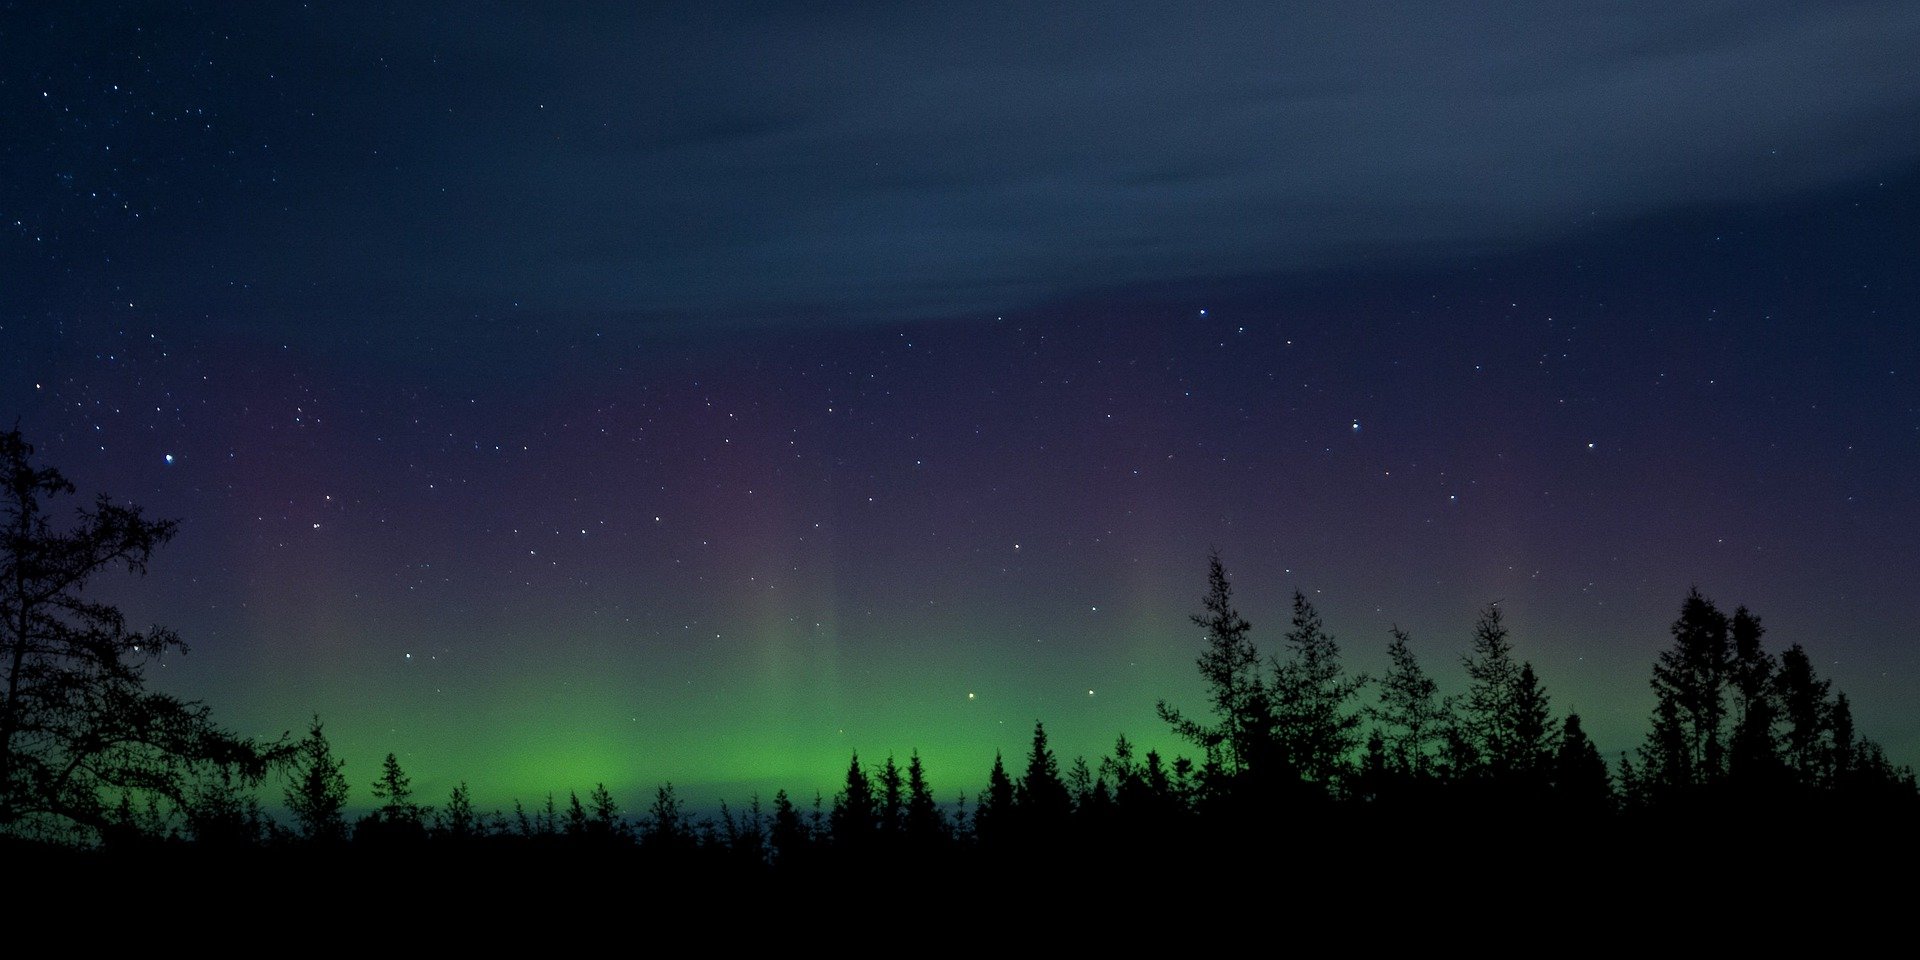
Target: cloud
{"points": [[755, 162]]}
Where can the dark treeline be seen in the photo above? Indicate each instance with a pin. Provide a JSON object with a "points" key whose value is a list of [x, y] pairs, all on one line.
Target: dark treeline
{"points": [[1749, 757]]}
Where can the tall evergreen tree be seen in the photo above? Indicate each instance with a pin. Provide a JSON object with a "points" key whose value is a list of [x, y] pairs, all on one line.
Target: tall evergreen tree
{"points": [[925, 823], [994, 810], [1485, 744], [1409, 713], [1803, 705], [1230, 665], [1533, 736], [317, 795], [1844, 746], [394, 791], [854, 809], [458, 821], [1312, 698], [1580, 780], [1753, 754], [576, 816], [666, 829], [603, 816], [790, 837], [1041, 796], [1692, 676], [892, 807]]}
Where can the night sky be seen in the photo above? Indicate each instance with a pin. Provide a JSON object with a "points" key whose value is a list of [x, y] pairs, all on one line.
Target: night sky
{"points": [[635, 392]]}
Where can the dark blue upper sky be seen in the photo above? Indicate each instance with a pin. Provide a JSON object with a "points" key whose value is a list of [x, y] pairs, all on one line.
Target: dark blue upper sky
{"points": [[699, 164]]}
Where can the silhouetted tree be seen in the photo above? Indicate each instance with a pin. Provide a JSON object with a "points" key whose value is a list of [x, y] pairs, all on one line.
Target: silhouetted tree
{"points": [[1533, 740], [458, 821], [994, 809], [1409, 712], [317, 795], [1844, 746], [746, 834], [854, 810], [1580, 780], [576, 817], [1753, 755], [666, 830], [1119, 766], [1803, 704], [1691, 676], [394, 790], [77, 725], [1231, 668], [1501, 718], [1666, 758], [892, 806], [1079, 782], [790, 836], [1311, 696], [222, 812], [603, 816], [924, 821], [1041, 796]]}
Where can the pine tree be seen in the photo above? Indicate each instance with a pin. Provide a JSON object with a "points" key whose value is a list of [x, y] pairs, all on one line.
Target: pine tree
{"points": [[1041, 796], [458, 821], [925, 823], [1533, 743], [1804, 707], [1753, 755], [1485, 745], [1692, 676], [317, 796], [854, 812], [1844, 748], [394, 790], [1410, 712], [790, 837], [666, 830], [603, 815], [1231, 668], [892, 807], [994, 810], [1311, 696], [1580, 779], [576, 817], [1079, 782]]}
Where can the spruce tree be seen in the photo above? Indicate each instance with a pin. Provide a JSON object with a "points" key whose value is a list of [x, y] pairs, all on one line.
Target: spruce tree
{"points": [[458, 821], [1041, 796], [1803, 705], [1580, 780], [1753, 754], [994, 810], [1230, 666], [394, 791], [925, 823], [317, 795], [1485, 745], [1409, 712], [1690, 680], [892, 806], [854, 810], [1312, 697]]}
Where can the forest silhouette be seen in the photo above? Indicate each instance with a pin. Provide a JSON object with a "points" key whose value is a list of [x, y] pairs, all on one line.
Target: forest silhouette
{"points": [[1750, 761]]}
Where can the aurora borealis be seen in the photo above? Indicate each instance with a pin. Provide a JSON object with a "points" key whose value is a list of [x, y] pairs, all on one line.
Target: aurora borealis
{"points": [[705, 393]]}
